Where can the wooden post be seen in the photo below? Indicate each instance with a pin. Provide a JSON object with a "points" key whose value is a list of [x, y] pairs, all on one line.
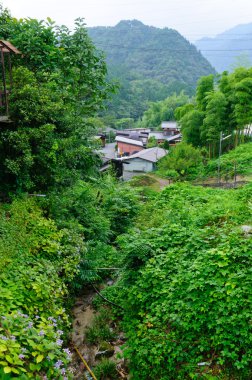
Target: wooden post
{"points": [[4, 82]]}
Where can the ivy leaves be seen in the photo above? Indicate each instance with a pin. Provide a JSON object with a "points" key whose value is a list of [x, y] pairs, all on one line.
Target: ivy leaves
{"points": [[190, 300]]}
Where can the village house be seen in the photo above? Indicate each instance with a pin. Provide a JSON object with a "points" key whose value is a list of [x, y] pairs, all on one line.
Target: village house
{"points": [[144, 161], [127, 146], [170, 128], [161, 137]]}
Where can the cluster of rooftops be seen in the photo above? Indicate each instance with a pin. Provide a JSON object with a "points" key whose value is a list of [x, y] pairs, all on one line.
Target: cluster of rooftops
{"points": [[130, 141], [129, 153]]}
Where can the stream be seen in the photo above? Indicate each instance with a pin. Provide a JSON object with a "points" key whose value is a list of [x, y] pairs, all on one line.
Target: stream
{"points": [[83, 317]]}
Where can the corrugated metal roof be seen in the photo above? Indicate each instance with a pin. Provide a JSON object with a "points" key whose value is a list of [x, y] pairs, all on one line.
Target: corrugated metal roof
{"points": [[158, 135], [169, 125], [161, 136], [151, 154], [128, 141], [174, 137]]}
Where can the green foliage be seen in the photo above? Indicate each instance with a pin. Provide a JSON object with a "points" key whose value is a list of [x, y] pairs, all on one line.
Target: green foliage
{"points": [[191, 123], [58, 83], [183, 158], [239, 159], [99, 211], [162, 111], [172, 175], [152, 142], [186, 290], [32, 347], [124, 123], [149, 63], [106, 370], [204, 87], [36, 261], [100, 331], [215, 118], [223, 104]]}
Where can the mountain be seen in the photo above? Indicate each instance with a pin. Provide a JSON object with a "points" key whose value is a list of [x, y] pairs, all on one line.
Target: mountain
{"points": [[229, 49], [150, 63]]}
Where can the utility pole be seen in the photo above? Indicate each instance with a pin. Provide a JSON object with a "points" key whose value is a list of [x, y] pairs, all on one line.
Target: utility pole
{"points": [[219, 158], [235, 173]]}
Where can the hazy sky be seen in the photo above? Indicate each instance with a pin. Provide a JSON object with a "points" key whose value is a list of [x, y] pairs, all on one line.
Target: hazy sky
{"points": [[192, 18]]}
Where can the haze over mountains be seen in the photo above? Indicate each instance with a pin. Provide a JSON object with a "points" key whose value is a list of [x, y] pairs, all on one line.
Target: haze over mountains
{"points": [[228, 49], [150, 63]]}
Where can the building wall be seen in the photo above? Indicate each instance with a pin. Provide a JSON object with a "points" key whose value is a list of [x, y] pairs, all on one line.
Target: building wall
{"points": [[128, 148], [138, 165]]}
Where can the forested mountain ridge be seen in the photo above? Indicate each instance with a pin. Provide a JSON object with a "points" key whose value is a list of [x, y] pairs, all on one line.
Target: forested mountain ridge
{"points": [[230, 48], [150, 63]]}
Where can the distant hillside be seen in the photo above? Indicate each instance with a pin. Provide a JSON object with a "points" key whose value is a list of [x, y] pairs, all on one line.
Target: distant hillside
{"points": [[151, 63], [229, 49]]}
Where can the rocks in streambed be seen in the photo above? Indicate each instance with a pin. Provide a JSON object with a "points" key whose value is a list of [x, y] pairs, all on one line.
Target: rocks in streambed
{"points": [[105, 350]]}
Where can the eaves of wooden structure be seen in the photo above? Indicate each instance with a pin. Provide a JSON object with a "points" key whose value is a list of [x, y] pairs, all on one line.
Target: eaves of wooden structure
{"points": [[6, 50]]}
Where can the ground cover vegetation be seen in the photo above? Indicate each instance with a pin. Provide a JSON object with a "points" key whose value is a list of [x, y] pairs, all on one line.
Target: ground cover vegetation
{"points": [[185, 162], [186, 287]]}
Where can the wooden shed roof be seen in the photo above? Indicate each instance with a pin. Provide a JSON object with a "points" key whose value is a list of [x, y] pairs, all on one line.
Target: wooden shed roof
{"points": [[7, 47]]}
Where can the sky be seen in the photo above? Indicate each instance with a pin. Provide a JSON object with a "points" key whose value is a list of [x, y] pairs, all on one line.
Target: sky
{"points": [[192, 18]]}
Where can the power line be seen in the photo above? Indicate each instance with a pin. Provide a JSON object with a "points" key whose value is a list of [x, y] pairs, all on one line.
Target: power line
{"points": [[166, 49]]}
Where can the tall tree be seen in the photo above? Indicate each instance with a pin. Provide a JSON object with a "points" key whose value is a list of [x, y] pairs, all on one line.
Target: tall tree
{"points": [[204, 87], [215, 120], [60, 85]]}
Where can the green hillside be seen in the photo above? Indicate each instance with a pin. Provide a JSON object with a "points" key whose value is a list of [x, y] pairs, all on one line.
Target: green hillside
{"points": [[150, 63]]}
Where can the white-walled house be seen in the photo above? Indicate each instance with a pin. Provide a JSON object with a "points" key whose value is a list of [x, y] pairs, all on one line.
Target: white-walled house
{"points": [[144, 161]]}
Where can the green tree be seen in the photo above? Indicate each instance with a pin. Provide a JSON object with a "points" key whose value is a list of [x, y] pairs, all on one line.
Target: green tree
{"points": [[62, 82], [205, 85], [183, 158], [162, 111], [191, 124], [152, 142], [215, 120]]}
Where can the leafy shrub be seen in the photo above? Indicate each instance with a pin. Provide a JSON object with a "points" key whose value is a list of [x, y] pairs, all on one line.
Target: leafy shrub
{"points": [[188, 300], [32, 347], [171, 174], [36, 260], [182, 158]]}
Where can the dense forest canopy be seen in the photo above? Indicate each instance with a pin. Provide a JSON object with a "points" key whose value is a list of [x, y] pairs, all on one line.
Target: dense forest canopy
{"points": [[163, 110], [150, 64]]}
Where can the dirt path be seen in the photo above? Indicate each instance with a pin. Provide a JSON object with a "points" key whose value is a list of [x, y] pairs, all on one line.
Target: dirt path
{"points": [[162, 181]]}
